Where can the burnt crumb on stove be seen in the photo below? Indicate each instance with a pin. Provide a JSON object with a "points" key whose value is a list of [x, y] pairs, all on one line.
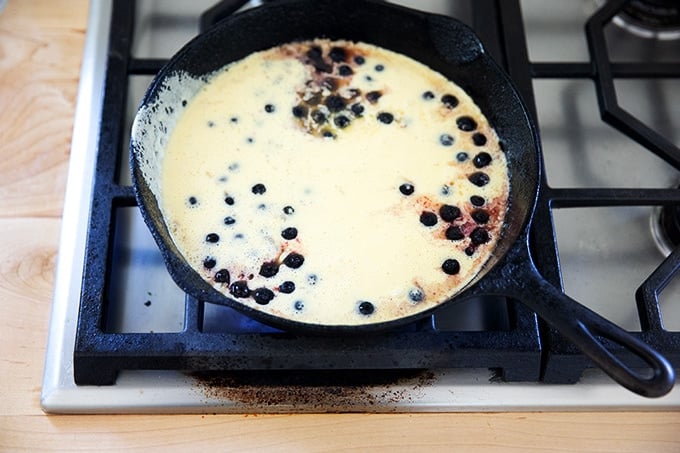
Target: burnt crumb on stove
{"points": [[313, 390]]}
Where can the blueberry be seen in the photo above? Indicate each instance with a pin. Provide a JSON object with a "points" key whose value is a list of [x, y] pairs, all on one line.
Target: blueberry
{"points": [[234, 119], [263, 296], [341, 121], [299, 305], [258, 189], [222, 276], [480, 216], [328, 134], [454, 233], [449, 213], [184, 102], [481, 160], [406, 189], [451, 266], [470, 250], [428, 95], [479, 179], [416, 295], [446, 140], [335, 103], [294, 260], [240, 289], [366, 308], [385, 117], [449, 101], [209, 262], [357, 109], [428, 218], [373, 96], [359, 60], [211, 124], [476, 200], [345, 70], [379, 67], [479, 236], [193, 201], [229, 200], [229, 220], [287, 287], [212, 238], [288, 210], [315, 52], [467, 124], [269, 269], [338, 54], [318, 116], [289, 233], [462, 156], [479, 139], [300, 111], [269, 108]]}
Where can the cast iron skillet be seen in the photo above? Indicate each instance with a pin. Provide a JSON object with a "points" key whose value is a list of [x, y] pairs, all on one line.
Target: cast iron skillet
{"points": [[451, 48]]}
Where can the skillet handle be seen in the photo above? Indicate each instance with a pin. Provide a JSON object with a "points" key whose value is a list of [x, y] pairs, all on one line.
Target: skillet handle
{"points": [[580, 325]]}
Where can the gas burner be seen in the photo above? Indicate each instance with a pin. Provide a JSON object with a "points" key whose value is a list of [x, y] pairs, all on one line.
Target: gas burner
{"points": [[656, 19]]}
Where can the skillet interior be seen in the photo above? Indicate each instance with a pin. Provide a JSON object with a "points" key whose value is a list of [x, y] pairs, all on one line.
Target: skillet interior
{"points": [[441, 43]]}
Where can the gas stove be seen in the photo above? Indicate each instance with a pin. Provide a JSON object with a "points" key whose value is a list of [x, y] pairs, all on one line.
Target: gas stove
{"points": [[124, 338]]}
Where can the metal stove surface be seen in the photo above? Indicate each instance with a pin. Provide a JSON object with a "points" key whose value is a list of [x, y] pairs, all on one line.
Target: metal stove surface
{"points": [[605, 253]]}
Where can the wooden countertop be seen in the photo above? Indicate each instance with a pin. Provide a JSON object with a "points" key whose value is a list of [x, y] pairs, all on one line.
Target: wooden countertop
{"points": [[41, 43]]}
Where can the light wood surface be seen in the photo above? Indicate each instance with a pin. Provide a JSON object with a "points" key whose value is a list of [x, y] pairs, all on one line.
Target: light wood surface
{"points": [[40, 51]]}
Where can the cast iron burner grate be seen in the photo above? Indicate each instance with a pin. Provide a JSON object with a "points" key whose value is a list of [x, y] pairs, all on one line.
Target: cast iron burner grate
{"points": [[523, 349]]}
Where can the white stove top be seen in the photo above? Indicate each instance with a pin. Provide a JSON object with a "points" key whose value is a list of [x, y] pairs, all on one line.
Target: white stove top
{"points": [[601, 265]]}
